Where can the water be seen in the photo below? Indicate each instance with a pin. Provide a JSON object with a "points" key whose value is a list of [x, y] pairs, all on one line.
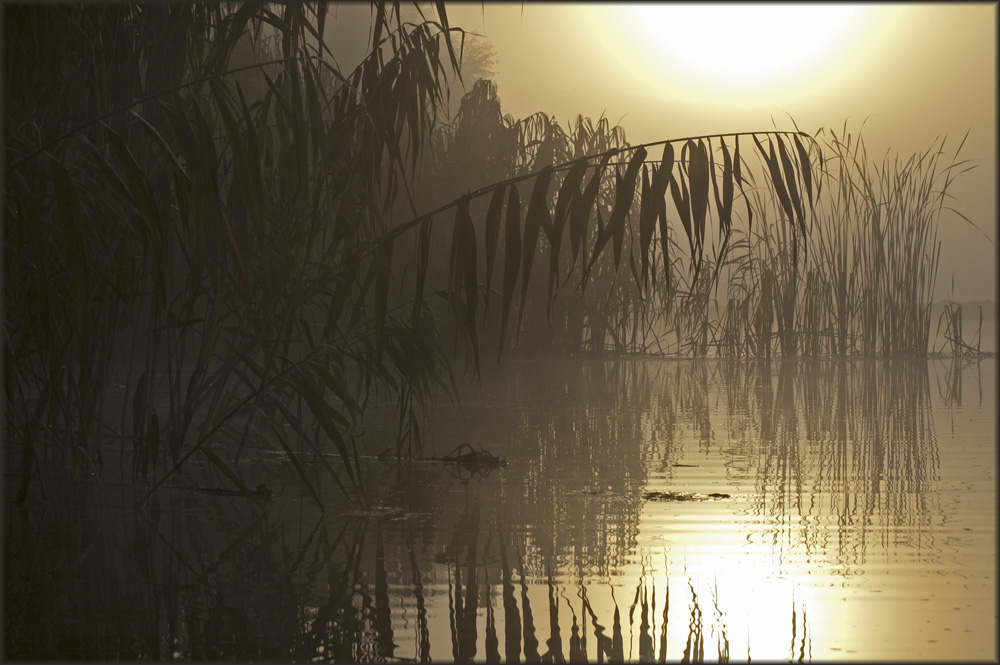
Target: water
{"points": [[650, 509], [981, 332]]}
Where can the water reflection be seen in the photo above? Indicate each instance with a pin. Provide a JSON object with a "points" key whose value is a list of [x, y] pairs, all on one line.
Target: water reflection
{"points": [[846, 451], [650, 510]]}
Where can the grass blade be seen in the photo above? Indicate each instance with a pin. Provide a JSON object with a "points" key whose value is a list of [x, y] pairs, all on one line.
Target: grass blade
{"points": [[512, 259], [536, 217], [493, 219]]}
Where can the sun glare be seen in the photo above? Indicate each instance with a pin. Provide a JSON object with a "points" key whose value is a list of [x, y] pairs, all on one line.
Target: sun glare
{"points": [[751, 44]]}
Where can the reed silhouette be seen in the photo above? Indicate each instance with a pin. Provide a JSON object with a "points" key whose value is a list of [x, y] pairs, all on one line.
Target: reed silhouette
{"points": [[222, 250], [232, 224]]}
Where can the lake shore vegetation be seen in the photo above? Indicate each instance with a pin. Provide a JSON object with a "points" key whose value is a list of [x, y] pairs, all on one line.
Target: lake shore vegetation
{"points": [[217, 239]]}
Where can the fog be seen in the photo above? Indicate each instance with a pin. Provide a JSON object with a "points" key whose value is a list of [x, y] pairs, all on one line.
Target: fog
{"points": [[910, 74]]}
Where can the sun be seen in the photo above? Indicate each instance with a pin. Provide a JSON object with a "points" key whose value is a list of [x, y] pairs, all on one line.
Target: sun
{"points": [[746, 44]]}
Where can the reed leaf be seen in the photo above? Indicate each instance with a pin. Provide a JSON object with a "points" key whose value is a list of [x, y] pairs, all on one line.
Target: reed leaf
{"points": [[738, 175], [535, 218], [467, 258], [296, 463], [327, 417], [569, 191], [776, 178], [791, 183], [423, 252], [492, 235], [72, 220], [700, 174], [580, 213], [228, 473], [682, 202], [512, 259], [383, 270], [647, 225], [624, 194], [806, 170]]}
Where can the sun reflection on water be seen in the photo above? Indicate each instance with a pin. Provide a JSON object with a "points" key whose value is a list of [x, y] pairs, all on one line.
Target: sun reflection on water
{"points": [[658, 511]]}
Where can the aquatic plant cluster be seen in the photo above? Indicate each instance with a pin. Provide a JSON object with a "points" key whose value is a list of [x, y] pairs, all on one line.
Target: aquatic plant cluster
{"points": [[849, 269], [218, 239]]}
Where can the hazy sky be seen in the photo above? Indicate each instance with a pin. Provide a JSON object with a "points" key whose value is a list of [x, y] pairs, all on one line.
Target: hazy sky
{"points": [[916, 72]]}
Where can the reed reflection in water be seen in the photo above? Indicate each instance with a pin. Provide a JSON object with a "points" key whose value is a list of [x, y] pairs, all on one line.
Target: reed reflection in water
{"points": [[650, 510]]}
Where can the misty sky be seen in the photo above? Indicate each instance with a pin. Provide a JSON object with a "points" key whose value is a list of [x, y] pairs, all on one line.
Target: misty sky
{"points": [[911, 73]]}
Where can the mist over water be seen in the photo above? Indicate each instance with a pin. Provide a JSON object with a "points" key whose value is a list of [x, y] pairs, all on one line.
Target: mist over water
{"points": [[653, 509], [716, 417]]}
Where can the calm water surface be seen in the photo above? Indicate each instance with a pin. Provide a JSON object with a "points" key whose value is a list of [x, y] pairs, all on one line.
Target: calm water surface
{"points": [[853, 517]]}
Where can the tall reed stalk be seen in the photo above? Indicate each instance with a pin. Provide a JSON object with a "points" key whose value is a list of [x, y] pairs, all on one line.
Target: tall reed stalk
{"points": [[225, 242], [861, 280]]}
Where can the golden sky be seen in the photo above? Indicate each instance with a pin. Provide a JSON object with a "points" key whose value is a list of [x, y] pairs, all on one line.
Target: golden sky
{"points": [[910, 72], [916, 72]]}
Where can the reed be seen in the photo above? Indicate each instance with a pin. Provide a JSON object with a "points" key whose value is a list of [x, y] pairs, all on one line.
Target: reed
{"points": [[949, 327], [858, 279], [245, 246], [209, 270], [861, 281]]}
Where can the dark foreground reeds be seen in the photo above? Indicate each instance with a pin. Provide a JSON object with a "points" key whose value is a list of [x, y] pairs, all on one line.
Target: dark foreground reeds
{"points": [[218, 241]]}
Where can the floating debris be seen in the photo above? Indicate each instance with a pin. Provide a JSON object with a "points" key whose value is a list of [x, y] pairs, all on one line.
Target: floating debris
{"points": [[262, 493], [682, 496], [464, 455], [479, 460], [380, 512]]}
